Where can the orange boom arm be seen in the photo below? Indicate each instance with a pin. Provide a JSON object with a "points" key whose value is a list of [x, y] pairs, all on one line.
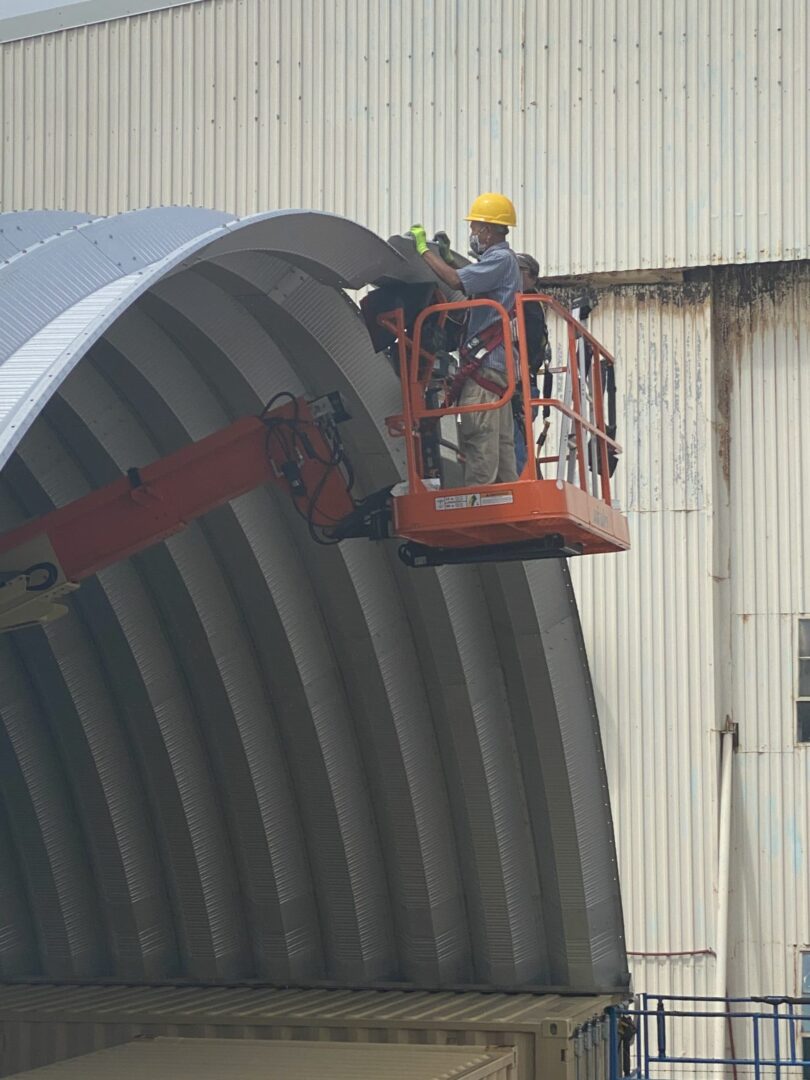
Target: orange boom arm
{"points": [[286, 447]]}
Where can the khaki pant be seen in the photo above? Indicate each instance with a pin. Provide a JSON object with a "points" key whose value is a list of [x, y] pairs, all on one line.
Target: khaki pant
{"points": [[487, 438]]}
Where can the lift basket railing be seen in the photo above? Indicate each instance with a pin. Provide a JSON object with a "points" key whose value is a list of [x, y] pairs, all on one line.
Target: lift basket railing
{"points": [[587, 449]]}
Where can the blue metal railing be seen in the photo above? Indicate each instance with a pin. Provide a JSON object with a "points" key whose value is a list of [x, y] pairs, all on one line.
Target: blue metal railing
{"points": [[644, 1038]]}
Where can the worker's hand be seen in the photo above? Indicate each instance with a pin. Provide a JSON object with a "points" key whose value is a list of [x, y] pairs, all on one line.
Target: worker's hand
{"points": [[443, 240], [420, 238]]}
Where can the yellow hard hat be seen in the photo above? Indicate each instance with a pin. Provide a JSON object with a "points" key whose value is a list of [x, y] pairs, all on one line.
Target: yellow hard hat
{"points": [[494, 208]]}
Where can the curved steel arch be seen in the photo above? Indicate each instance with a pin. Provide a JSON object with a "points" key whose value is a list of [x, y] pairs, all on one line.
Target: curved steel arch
{"points": [[241, 756]]}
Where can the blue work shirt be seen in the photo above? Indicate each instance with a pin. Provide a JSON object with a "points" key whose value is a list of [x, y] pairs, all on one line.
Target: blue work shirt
{"points": [[496, 276]]}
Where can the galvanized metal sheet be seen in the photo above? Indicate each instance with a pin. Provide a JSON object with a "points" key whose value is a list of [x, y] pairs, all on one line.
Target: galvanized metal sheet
{"points": [[46, 330], [268, 760], [26, 18], [330, 248], [21, 232]]}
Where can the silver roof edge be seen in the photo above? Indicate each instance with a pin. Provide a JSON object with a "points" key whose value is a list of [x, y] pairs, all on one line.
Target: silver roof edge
{"points": [[70, 15]]}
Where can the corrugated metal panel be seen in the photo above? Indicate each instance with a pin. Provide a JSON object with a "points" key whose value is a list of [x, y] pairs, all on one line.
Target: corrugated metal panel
{"points": [[29, 373], [42, 1024], [699, 619], [23, 233], [649, 621], [654, 134], [765, 336], [205, 1059], [580, 862], [210, 803], [45, 16], [383, 1009], [96, 271]]}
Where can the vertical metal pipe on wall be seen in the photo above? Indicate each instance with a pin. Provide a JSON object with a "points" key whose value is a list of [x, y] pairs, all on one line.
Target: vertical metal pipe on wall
{"points": [[723, 877]]}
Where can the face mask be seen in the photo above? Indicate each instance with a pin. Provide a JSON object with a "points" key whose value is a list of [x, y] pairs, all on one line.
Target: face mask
{"points": [[475, 244]]}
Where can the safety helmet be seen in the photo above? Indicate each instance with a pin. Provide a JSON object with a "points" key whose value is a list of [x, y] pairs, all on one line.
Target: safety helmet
{"points": [[494, 208]]}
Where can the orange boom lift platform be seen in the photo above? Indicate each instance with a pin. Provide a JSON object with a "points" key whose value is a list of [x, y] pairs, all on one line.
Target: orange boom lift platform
{"points": [[570, 512]]}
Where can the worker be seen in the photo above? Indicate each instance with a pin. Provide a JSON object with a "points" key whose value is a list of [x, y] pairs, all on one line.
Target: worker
{"points": [[487, 438], [537, 346]]}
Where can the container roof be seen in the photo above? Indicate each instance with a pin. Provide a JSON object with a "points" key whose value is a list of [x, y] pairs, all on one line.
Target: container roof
{"points": [[241, 756], [258, 1007]]}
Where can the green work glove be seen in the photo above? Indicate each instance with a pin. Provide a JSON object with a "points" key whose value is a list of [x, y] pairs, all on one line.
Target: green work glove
{"points": [[420, 238], [443, 240]]}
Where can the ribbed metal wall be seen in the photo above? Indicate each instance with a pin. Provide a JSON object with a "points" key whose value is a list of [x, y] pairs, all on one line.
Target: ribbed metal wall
{"points": [[631, 133], [649, 619], [241, 755], [766, 340], [698, 621]]}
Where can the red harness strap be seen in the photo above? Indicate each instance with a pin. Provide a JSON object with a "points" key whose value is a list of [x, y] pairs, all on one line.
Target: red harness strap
{"points": [[483, 382], [474, 352]]}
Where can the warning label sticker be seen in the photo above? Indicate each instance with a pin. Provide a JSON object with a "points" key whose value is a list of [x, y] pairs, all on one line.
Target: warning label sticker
{"points": [[477, 498], [455, 502]]}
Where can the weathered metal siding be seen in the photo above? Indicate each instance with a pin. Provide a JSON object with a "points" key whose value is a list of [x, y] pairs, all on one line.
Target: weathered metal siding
{"points": [[631, 134], [649, 620], [699, 621], [766, 339]]}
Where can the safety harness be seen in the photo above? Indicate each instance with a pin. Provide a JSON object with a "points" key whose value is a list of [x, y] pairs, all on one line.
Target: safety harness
{"points": [[473, 353]]}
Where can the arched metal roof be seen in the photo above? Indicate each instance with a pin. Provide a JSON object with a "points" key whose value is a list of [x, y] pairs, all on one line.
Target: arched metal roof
{"points": [[242, 756]]}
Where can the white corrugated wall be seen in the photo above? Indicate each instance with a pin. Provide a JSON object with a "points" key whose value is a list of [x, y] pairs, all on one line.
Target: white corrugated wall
{"points": [[649, 618], [767, 339], [698, 621], [630, 133]]}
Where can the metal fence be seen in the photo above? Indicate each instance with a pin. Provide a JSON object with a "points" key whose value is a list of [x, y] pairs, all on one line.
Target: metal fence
{"points": [[766, 1037]]}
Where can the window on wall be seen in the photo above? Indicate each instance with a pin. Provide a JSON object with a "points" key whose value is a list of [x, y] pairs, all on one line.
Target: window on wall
{"points": [[803, 692]]}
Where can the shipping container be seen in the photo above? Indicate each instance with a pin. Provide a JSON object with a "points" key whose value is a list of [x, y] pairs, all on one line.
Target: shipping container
{"points": [[555, 1038], [250, 1059]]}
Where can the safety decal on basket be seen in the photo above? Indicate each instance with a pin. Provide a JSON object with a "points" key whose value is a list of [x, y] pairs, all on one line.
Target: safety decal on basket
{"points": [[477, 498]]}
